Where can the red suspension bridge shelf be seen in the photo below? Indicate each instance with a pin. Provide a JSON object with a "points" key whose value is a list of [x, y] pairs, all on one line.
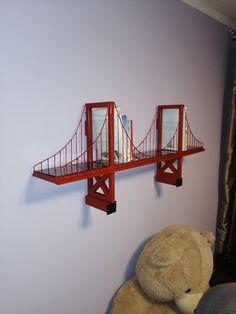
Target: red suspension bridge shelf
{"points": [[103, 145]]}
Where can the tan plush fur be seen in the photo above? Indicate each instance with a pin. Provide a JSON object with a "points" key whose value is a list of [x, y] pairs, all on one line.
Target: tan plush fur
{"points": [[176, 262], [132, 300]]}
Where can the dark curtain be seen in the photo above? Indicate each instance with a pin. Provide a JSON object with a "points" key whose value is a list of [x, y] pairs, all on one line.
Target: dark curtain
{"points": [[226, 219]]}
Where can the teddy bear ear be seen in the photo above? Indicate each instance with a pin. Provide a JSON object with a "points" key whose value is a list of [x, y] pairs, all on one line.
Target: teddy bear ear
{"points": [[167, 253], [208, 236]]}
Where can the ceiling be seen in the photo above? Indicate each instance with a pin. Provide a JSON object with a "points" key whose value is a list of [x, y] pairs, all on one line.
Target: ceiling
{"points": [[221, 10]]}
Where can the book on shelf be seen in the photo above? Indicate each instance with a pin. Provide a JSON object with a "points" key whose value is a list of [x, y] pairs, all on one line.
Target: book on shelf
{"points": [[128, 138]]}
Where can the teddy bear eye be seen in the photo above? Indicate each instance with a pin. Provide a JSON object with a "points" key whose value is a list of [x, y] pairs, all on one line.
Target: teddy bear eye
{"points": [[187, 291]]}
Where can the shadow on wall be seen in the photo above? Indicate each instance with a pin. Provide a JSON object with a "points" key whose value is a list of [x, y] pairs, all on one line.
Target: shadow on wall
{"points": [[86, 220], [130, 271], [135, 172], [157, 187], [148, 170], [39, 191]]}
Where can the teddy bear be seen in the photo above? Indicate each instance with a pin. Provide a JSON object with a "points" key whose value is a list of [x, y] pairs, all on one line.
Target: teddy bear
{"points": [[172, 273]]}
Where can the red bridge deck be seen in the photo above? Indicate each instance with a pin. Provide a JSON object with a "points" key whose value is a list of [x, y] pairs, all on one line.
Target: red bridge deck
{"points": [[81, 171]]}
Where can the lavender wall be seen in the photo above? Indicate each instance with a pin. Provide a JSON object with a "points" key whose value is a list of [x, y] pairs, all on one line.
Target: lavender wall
{"points": [[58, 255]]}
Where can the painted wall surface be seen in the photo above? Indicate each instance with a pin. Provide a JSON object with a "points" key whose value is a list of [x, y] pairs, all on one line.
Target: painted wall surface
{"points": [[58, 256]]}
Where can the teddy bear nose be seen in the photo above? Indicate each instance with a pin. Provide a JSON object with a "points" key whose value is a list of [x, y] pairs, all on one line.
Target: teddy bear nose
{"points": [[187, 291]]}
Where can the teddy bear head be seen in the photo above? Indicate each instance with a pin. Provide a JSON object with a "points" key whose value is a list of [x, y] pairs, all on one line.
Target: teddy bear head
{"points": [[176, 263]]}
